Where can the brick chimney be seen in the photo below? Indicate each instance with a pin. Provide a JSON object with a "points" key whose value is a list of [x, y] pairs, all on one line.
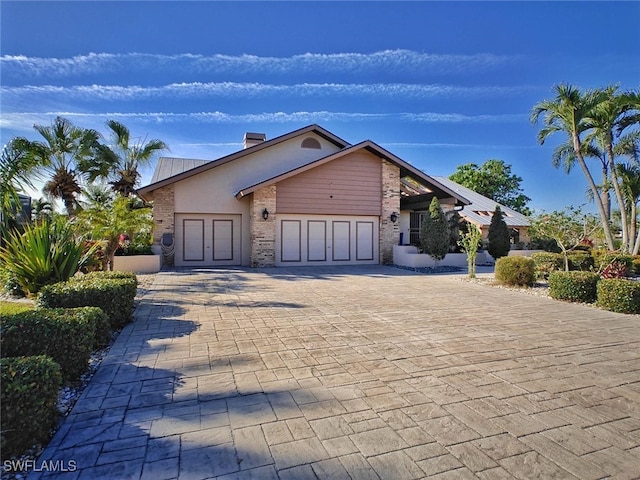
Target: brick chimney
{"points": [[251, 139]]}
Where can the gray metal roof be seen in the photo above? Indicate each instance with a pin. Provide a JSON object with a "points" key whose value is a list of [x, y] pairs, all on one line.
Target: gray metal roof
{"points": [[168, 167], [482, 207]]}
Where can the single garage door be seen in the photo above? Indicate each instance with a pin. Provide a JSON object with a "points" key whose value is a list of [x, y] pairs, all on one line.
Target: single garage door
{"points": [[324, 239], [207, 240]]}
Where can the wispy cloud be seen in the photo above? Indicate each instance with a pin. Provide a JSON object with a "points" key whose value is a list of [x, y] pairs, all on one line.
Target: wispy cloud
{"points": [[385, 61], [20, 119], [252, 90]]}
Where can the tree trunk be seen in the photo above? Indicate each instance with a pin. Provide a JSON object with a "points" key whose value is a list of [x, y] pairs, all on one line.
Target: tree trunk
{"points": [[606, 198], [603, 215], [626, 241], [634, 225]]}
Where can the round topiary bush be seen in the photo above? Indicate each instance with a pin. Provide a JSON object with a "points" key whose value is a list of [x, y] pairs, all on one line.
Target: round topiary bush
{"points": [[573, 286], [518, 271], [619, 295]]}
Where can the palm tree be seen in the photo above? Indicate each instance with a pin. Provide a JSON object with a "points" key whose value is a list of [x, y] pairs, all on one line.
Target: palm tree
{"points": [[629, 174], [65, 148], [567, 113], [120, 162], [18, 166], [41, 209]]}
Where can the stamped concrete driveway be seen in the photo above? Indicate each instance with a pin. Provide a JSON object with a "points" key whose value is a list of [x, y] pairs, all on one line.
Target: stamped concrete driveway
{"points": [[358, 373]]}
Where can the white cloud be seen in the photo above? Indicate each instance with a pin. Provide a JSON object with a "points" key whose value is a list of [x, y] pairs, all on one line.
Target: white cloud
{"points": [[243, 90], [23, 120], [383, 61]]}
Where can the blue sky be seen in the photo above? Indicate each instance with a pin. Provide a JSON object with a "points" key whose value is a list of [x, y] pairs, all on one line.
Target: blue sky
{"points": [[437, 83]]}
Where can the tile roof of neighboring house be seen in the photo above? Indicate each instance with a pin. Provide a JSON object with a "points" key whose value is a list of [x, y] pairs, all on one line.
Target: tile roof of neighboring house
{"points": [[481, 208]]}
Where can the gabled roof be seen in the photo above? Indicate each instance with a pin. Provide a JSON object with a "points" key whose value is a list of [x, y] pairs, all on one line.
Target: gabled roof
{"points": [[481, 208], [179, 169], [406, 169]]}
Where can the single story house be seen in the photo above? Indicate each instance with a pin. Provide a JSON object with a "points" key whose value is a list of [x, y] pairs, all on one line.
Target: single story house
{"points": [[307, 197], [481, 211]]}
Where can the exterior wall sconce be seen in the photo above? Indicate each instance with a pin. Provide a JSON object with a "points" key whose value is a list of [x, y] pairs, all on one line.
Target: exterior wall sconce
{"points": [[265, 214], [394, 217]]}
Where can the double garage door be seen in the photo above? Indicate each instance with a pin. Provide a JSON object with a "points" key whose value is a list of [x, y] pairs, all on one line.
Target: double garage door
{"points": [[208, 240], [326, 240]]}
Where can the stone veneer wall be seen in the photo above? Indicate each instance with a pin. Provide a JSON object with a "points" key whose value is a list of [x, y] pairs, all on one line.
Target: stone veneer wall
{"points": [[163, 216], [389, 231], [263, 232]]}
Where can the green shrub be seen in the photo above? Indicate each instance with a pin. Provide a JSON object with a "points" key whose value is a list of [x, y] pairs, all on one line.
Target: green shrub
{"points": [[66, 335], [573, 286], [602, 259], [9, 308], [113, 292], [581, 261], [636, 264], [546, 262], [515, 271], [619, 295], [47, 252], [28, 410]]}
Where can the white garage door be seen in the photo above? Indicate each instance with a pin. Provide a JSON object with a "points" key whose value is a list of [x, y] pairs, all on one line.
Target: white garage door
{"points": [[207, 240], [323, 239]]}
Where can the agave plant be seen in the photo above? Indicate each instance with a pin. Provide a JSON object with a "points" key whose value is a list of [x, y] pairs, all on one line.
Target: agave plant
{"points": [[47, 252]]}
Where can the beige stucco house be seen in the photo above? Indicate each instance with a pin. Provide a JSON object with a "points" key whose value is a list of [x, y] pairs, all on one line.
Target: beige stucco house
{"points": [[304, 198]]}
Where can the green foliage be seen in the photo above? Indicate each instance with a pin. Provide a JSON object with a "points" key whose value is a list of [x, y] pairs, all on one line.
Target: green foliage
{"points": [[113, 292], [106, 222], [573, 286], [9, 308], [519, 271], [604, 260], [636, 264], [569, 228], [47, 252], [66, 335], [28, 410], [546, 262], [499, 237], [619, 295], [470, 242], [435, 237], [494, 180], [581, 261]]}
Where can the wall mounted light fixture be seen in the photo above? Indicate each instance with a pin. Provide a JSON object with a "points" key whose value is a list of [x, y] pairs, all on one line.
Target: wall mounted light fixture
{"points": [[265, 214], [394, 217]]}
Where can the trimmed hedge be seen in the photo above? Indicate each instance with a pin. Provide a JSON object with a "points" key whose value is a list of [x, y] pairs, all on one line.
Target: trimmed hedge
{"points": [[66, 335], [619, 295], [28, 410], [515, 271], [573, 286], [603, 258], [546, 262], [113, 292], [580, 261]]}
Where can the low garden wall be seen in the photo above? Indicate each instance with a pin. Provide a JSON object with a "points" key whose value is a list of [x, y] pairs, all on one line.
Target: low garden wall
{"points": [[137, 263], [408, 256]]}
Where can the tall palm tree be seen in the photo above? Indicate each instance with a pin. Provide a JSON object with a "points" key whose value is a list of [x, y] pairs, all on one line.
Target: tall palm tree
{"points": [[120, 162], [567, 113], [65, 148], [41, 209], [629, 174], [18, 168]]}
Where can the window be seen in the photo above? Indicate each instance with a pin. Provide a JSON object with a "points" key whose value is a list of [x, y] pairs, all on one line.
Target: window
{"points": [[310, 143]]}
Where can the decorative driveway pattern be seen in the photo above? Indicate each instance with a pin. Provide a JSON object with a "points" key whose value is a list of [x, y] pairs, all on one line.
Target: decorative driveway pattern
{"points": [[362, 373]]}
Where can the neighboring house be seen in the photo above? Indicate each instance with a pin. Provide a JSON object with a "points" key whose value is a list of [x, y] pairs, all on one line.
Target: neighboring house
{"points": [[23, 216], [304, 198], [481, 210]]}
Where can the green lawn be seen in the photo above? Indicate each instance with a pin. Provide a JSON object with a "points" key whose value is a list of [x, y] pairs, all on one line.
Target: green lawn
{"points": [[9, 308]]}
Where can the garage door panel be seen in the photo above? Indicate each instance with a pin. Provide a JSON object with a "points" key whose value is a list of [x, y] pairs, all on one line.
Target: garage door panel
{"points": [[222, 239], [364, 240], [193, 246], [341, 240], [291, 231], [317, 241]]}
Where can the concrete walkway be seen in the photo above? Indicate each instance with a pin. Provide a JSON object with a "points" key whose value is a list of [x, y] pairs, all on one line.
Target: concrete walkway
{"points": [[362, 373]]}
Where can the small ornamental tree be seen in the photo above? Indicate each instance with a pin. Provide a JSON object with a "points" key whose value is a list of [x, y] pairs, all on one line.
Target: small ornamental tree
{"points": [[470, 242], [499, 238], [435, 238]]}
